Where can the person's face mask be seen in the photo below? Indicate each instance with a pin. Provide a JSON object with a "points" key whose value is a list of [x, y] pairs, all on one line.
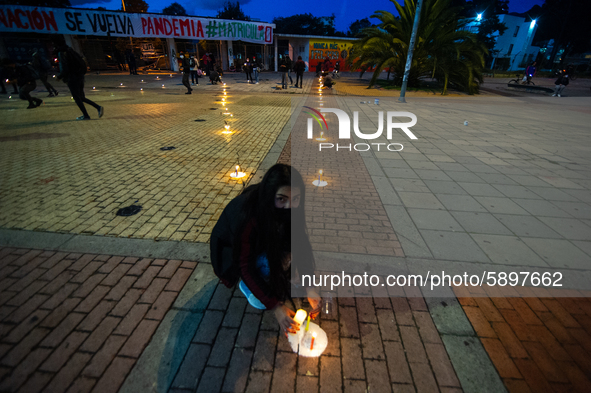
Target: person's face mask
{"points": [[283, 215]]}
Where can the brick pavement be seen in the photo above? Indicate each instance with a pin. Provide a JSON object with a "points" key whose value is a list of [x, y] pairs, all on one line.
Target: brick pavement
{"points": [[347, 216], [539, 340], [73, 176], [78, 322], [551, 174], [381, 344]]}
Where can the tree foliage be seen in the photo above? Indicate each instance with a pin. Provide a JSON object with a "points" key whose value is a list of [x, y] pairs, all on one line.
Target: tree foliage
{"points": [[443, 50], [136, 6], [565, 21], [232, 10], [306, 24], [356, 27], [175, 9], [490, 24]]}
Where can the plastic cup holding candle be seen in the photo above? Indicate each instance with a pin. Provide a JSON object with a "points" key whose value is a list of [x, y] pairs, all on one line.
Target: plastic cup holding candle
{"points": [[237, 174], [322, 138], [319, 182]]}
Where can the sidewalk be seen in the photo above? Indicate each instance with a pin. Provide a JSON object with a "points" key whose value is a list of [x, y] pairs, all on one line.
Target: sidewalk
{"points": [[94, 302]]}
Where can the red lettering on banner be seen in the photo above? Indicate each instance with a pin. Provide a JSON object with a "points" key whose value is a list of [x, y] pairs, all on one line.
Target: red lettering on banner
{"points": [[175, 27], [3, 18], [185, 24], [167, 27], [18, 14], [30, 20], [13, 20], [199, 29], [38, 19], [144, 23], [158, 25], [49, 20], [150, 26]]}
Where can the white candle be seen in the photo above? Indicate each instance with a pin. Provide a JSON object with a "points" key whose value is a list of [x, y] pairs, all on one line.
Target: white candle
{"points": [[300, 316]]}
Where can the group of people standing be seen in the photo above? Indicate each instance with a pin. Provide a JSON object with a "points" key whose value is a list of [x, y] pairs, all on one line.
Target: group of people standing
{"points": [[285, 68], [191, 66], [252, 67]]}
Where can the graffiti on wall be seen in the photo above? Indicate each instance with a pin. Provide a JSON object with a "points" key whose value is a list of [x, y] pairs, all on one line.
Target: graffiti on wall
{"points": [[335, 50]]}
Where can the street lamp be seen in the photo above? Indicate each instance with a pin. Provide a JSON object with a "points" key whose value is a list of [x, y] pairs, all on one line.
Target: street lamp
{"points": [[478, 17]]}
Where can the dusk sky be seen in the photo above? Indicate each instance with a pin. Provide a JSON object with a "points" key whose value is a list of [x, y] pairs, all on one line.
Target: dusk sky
{"points": [[345, 11]]}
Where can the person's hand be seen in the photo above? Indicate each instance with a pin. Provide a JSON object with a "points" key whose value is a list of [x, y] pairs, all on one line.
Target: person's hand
{"points": [[315, 302], [284, 317]]}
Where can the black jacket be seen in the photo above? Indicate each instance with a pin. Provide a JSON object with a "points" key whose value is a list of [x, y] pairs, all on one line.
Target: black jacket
{"points": [[186, 63], [24, 75], [299, 67]]}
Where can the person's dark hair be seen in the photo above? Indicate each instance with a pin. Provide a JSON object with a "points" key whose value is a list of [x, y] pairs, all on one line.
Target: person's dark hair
{"points": [[299, 57], [273, 236]]}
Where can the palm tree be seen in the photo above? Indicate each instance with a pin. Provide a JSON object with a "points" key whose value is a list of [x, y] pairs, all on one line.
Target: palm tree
{"points": [[444, 50]]}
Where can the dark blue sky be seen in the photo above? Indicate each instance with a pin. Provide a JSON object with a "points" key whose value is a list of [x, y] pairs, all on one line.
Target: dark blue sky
{"points": [[345, 11]]}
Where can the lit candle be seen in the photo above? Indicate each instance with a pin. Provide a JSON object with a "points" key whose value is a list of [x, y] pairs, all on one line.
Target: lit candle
{"points": [[308, 323], [121, 84], [300, 316], [320, 171], [142, 80], [237, 167], [142, 89], [93, 87], [312, 342]]}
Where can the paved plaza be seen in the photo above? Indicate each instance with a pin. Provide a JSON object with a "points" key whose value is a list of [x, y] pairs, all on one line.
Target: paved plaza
{"points": [[95, 302]]}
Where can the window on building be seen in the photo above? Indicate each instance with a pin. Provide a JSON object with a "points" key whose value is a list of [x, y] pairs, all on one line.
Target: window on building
{"points": [[302, 49], [516, 31], [510, 50]]}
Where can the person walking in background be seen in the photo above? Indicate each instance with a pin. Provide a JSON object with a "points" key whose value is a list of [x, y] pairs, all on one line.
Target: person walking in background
{"points": [[186, 64], [72, 71], [248, 70], [560, 83], [530, 72], [205, 63], [299, 67], [41, 67], [326, 66], [289, 65], [26, 84], [211, 62], [256, 68], [318, 68], [193, 66], [283, 71], [132, 63]]}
